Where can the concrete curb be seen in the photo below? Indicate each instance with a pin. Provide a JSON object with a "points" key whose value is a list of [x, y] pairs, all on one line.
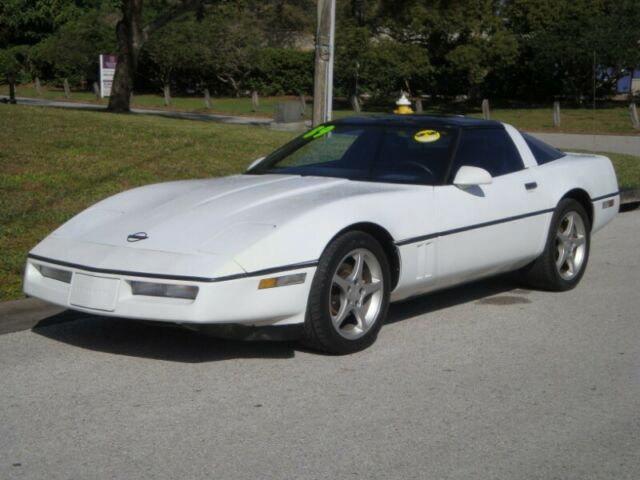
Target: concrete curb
{"points": [[629, 196]]}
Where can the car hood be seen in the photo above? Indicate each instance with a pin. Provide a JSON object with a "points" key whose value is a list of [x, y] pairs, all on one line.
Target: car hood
{"points": [[188, 216]]}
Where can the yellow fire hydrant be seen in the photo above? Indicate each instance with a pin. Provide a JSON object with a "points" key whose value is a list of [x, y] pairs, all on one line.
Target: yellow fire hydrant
{"points": [[404, 106]]}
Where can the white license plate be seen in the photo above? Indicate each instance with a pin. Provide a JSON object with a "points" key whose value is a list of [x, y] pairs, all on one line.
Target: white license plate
{"points": [[98, 293]]}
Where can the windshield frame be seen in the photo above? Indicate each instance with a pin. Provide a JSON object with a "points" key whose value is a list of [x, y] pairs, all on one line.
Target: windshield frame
{"points": [[264, 166]]}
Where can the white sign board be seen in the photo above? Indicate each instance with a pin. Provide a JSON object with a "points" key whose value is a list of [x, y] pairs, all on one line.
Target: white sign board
{"points": [[107, 71]]}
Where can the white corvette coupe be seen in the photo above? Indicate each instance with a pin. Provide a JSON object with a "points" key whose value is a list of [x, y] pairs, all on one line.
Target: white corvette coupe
{"points": [[323, 233]]}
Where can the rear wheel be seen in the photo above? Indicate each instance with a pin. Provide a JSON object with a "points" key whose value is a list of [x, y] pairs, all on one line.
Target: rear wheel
{"points": [[564, 260], [349, 295]]}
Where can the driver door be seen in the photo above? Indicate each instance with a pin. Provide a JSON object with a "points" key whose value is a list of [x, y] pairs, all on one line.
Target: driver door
{"points": [[486, 229]]}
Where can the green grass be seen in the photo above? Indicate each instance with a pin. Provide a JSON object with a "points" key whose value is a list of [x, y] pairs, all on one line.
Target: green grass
{"points": [[54, 163], [611, 119], [606, 120]]}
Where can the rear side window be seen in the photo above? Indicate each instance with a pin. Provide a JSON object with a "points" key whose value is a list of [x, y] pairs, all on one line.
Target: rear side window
{"points": [[488, 148], [542, 152]]}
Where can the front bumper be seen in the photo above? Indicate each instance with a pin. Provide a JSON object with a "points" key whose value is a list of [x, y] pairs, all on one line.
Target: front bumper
{"points": [[233, 301]]}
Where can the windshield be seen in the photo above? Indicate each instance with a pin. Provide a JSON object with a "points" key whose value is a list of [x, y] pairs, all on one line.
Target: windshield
{"points": [[402, 154]]}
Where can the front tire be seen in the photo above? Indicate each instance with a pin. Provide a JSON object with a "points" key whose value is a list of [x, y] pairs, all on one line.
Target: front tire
{"points": [[564, 259], [349, 295]]}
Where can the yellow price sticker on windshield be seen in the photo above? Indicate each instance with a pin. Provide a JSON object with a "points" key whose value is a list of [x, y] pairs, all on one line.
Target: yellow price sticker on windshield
{"points": [[427, 136]]}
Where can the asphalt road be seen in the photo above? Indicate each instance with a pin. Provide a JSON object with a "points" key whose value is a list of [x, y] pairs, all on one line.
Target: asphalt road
{"points": [[481, 382]]}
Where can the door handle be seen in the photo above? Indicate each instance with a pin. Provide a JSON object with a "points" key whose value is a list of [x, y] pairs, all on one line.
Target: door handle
{"points": [[531, 185]]}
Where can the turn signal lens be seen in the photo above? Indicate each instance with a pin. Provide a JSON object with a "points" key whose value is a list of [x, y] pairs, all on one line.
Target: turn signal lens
{"points": [[164, 290], [55, 273], [608, 203], [283, 281]]}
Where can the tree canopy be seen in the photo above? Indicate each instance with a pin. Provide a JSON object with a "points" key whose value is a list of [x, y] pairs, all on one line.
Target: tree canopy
{"points": [[525, 49]]}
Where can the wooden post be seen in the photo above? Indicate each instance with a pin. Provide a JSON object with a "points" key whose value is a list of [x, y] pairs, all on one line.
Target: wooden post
{"points": [[38, 86], [96, 90], [255, 101], [355, 104], [12, 92], [634, 116], [323, 74], [207, 99], [486, 113], [67, 90], [167, 95], [303, 104], [556, 114], [419, 108]]}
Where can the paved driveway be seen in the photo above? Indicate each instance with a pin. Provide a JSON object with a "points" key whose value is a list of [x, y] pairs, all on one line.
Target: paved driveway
{"points": [[484, 381]]}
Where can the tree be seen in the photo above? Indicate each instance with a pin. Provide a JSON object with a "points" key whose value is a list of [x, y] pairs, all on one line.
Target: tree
{"points": [[233, 43], [11, 68], [559, 39], [72, 51], [132, 32], [464, 40], [176, 47]]}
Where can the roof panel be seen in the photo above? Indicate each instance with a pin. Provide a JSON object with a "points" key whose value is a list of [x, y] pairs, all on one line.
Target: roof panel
{"points": [[434, 120]]}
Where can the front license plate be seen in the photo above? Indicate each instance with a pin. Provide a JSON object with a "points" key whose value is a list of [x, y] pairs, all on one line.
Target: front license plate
{"points": [[98, 293]]}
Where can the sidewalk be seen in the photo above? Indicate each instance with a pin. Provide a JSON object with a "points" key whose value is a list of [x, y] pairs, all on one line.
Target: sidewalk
{"points": [[625, 144], [203, 117]]}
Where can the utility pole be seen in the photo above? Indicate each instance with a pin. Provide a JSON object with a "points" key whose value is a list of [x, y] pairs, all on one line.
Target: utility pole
{"points": [[323, 77]]}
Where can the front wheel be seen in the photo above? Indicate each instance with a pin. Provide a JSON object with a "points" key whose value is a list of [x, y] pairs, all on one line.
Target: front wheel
{"points": [[349, 295], [564, 259]]}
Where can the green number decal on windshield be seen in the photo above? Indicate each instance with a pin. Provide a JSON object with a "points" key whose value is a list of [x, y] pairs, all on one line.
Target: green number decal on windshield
{"points": [[319, 131]]}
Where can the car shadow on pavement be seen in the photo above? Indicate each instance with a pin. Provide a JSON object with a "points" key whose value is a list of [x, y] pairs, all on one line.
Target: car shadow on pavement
{"points": [[177, 344], [492, 291], [169, 343]]}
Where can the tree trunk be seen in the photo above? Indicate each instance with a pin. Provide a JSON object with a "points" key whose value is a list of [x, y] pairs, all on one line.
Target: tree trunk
{"points": [[131, 37]]}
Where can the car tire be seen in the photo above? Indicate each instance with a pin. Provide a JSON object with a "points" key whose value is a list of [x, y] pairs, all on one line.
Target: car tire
{"points": [[566, 253], [349, 295]]}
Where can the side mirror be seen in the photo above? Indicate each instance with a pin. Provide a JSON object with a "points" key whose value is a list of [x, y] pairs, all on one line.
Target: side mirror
{"points": [[469, 176], [254, 163]]}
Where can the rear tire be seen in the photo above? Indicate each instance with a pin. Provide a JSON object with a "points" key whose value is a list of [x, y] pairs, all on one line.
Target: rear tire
{"points": [[349, 295], [564, 259]]}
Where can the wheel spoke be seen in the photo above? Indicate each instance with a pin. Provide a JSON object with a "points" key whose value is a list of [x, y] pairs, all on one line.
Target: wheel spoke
{"points": [[565, 239], [370, 288], [568, 230], [562, 256], [360, 314], [358, 267], [580, 240], [341, 282], [342, 314], [571, 266]]}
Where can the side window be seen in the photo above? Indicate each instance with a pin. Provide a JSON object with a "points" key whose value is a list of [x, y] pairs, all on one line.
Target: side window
{"points": [[488, 148], [542, 152]]}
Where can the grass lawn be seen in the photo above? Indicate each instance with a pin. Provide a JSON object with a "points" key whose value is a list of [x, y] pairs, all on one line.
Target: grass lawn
{"points": [[54, 163], [605, 120]]}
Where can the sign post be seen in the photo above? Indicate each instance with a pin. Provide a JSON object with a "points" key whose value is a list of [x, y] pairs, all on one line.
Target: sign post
{"points": [[107, 71]]}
